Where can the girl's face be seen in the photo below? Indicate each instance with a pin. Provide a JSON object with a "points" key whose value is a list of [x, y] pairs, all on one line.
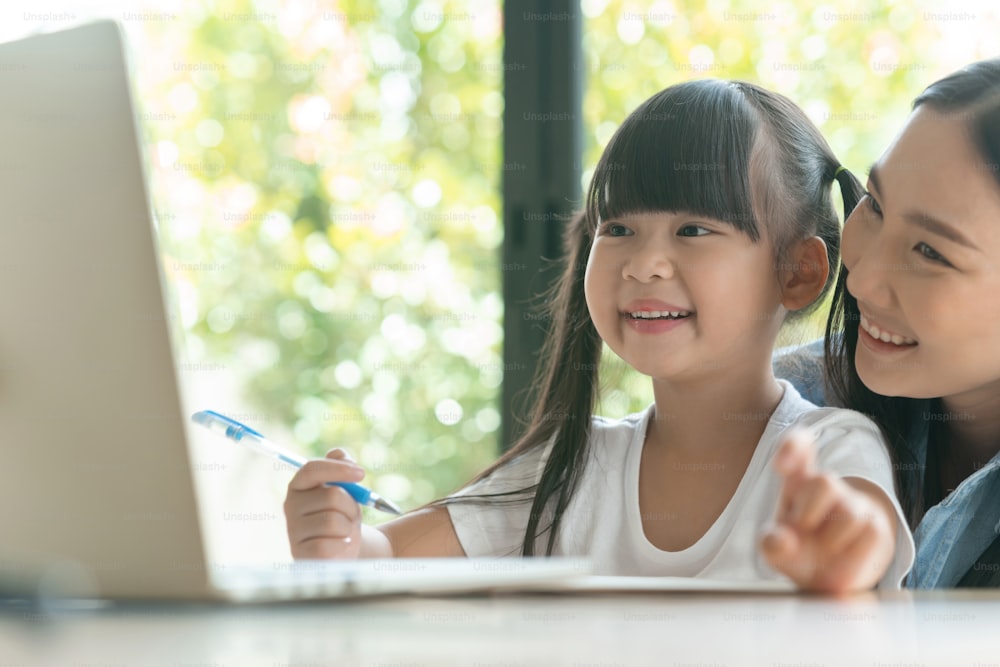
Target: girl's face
{"points": [[678, 296], [923, 252]]}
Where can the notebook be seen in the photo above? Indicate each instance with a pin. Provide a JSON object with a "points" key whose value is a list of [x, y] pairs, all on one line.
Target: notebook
{"points": [[96, 486]]}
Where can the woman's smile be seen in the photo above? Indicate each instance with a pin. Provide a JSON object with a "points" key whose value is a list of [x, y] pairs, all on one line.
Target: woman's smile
{"points": [[884, 335]]}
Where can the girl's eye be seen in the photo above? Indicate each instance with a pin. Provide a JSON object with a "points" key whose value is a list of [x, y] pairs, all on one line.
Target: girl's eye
{"points": [[931, 254], [692, 230], [617, 229], [873, 205]]}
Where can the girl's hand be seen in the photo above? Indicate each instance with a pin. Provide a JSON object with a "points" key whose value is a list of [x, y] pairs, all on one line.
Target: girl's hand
{"points": [[833, 535], [324, 521]]}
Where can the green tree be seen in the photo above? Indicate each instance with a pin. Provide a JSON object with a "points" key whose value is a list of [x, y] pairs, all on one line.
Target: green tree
{"points": [[326, 177]]}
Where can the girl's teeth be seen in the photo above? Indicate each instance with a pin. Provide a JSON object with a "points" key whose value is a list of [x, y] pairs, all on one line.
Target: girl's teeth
{"points": [[653, 314]]}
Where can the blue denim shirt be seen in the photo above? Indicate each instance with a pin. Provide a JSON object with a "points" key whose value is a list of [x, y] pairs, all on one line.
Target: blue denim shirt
{"points": [[952, 534]]}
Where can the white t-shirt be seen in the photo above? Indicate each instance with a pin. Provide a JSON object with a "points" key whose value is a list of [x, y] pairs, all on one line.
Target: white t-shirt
{"points": [[602, 520]]}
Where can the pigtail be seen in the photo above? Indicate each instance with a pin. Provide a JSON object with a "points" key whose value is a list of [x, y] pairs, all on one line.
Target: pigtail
{"points": [[851, 190], [841, 325]]}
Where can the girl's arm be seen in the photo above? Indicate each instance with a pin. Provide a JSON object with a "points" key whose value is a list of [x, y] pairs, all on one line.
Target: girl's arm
{"points": [[833, 534], [325, 522], [423, 533]]}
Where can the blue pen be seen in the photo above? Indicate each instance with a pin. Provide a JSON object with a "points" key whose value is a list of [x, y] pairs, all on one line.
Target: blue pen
{"points": [[237, 432]]}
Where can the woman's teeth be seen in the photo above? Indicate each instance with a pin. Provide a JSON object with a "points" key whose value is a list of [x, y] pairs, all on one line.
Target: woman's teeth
{"points": [[885, 336]]}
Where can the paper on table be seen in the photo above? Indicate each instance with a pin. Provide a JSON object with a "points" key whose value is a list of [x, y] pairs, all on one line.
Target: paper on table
{"points": [[611, 584]]}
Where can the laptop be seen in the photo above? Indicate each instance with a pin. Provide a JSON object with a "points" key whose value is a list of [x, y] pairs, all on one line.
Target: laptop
{"points": [[97, 497]]}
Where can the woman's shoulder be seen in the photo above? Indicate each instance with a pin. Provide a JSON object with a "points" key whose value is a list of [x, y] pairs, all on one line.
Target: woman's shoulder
{"points": [[803, 366]]}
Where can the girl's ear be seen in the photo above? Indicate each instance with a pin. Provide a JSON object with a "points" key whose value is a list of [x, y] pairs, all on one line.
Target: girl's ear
{"points": [[803, 274]]}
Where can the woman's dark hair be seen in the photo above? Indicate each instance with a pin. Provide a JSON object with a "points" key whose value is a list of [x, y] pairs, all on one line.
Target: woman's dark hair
{"points": [[727, 150], [973, 93]]}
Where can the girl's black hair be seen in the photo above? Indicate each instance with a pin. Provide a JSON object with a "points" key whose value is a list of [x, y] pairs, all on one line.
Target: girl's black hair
{"points": [[727, 150], [974, 93]]}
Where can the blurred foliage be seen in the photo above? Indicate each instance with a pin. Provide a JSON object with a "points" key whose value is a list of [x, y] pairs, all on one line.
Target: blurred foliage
{"points": [[327, 179]]}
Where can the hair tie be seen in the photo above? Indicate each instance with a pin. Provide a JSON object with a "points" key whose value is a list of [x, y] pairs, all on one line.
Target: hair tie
{"points": [[839, 169]]}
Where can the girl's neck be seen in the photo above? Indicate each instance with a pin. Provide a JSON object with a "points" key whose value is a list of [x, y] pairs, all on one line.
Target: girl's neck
{"points": [[715, 416]]}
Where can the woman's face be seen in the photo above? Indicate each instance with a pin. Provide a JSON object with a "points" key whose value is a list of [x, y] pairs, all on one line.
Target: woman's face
{"points": [[923, 252]]}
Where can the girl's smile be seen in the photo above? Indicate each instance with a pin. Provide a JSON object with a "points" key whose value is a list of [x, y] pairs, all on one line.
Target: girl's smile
{"points": [[651, 316]]}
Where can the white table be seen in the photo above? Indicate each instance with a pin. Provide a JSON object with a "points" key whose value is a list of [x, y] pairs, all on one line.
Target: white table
{"points": [[952, 628]]}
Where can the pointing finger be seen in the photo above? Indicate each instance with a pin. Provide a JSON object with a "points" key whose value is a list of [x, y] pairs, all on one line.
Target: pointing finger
{"points": [[797, 454], [815, 501], [795, 461]]}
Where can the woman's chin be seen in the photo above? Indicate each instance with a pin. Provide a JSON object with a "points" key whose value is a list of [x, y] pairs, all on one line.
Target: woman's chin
{"points": [[892, 379]]}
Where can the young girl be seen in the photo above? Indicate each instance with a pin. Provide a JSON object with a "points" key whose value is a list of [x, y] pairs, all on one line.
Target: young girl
{"points": [[708, 220]]}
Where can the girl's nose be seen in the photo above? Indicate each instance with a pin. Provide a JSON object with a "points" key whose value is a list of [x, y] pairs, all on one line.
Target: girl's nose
{"points": [[652, 260]]}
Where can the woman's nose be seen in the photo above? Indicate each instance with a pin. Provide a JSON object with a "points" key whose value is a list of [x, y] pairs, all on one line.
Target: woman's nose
{"points": [[866, 253]]}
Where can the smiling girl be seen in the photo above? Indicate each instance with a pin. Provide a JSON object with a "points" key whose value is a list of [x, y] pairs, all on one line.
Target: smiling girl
{"points": [[709, 220]]}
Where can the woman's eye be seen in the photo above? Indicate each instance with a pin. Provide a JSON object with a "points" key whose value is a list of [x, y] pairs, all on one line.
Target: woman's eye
{"points": [[876, 209], [931, 254], [692, 230]]}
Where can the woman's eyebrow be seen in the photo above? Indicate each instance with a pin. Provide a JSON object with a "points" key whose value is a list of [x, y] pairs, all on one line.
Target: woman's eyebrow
{"points": [[923, 220], [873, 177], [935, 226]]}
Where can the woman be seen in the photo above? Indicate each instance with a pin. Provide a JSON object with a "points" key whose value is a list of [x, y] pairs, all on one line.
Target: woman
{"points": [[913, 338]]}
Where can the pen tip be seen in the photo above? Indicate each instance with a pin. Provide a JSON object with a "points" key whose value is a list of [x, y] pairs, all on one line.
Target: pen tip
{"points": [[385, 506]]}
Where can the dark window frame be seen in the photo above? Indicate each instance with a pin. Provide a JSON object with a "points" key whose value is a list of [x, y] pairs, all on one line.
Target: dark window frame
{"points": [[542, 154]]}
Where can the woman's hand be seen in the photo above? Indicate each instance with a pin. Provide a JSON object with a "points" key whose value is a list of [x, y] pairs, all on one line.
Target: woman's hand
{"points": [[324, 521], [832, 534]]}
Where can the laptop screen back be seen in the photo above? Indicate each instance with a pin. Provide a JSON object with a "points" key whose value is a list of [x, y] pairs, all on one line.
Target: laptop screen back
{"points": [[95, 469]]}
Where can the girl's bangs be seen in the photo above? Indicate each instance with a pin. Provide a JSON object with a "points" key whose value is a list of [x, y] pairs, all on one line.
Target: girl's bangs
{"points": [[686, 149]]}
